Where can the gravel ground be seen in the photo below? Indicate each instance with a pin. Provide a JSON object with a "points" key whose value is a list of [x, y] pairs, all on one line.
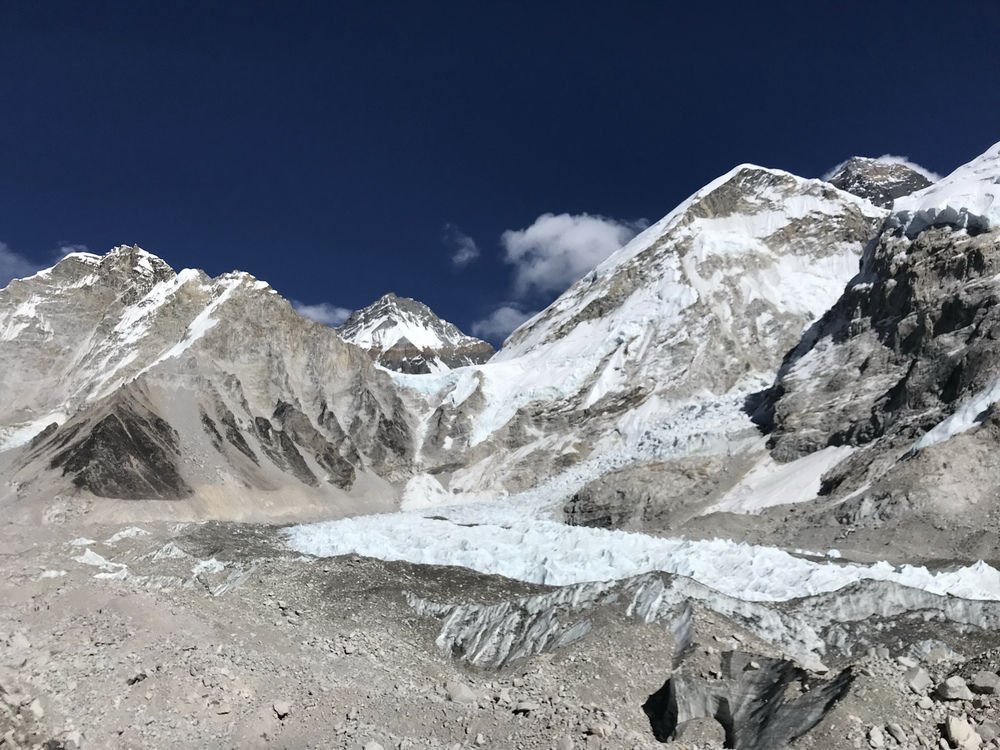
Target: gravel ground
{"points": [[262, 648]]}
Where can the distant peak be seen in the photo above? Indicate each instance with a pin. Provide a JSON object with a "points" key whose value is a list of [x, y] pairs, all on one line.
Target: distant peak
{"points": [[393, 328], [879, 180]]}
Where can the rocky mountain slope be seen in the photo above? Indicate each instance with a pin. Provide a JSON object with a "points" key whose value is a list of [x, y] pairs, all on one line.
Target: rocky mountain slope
{"points": [[125, 380], [904, 371], [882, 417], [406, 336]]}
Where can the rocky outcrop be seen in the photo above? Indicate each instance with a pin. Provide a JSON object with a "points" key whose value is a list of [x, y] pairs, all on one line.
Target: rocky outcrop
{"points": [[903, 369], [406, 336], [760, 703], [879, 181], [657, 496], [122, 449]]}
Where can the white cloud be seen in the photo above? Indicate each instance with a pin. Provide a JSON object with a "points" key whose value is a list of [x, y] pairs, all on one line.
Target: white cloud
{"points": [[65, 248], [556, 250], [15, 266], [500, 323], [325, 313], [890, 159], [466, 250]]}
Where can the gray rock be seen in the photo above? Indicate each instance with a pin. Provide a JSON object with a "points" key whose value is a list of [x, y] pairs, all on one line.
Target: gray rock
{"points": [[896, 732], [459, 692], [18, 641], [985, 683], [954, 689], [526, 707], [878, 181], [917, 679], [988, 730], [961, 735], [373, 745], [281, 708], [875, 737], [766, 718], [564, 743]]}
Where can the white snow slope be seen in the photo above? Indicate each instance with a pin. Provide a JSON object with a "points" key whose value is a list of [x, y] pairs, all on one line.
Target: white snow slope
{"points": [[702, 304], [968, 197], [515, 536]]}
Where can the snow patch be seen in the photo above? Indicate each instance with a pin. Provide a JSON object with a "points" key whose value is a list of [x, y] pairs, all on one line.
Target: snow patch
{"points": [[95, 560], [14, 436], [770, 483], [424, 491], [967, 416], [208, 567], [130, 532]]}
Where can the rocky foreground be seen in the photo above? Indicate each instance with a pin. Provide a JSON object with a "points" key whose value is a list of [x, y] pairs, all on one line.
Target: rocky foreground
{"points": [[216, 636]]}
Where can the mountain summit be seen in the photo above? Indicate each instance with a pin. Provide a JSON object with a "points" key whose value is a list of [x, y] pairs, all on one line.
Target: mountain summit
{"points": [[405, 335], [879, 181]]}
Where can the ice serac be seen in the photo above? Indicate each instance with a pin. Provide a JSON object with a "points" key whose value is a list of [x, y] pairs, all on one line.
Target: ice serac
{"points": [[905, 367], [881, 182], [125, 380], [404, 335], [651, 354]]}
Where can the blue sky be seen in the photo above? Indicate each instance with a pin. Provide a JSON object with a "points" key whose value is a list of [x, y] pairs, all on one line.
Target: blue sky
{"points": [[474, 155]]}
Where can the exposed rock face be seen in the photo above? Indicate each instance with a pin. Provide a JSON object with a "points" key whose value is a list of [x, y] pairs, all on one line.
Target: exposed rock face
{"points": [[910, 341], [879, 181], [904, 367], [406, 336], [134, 382]]}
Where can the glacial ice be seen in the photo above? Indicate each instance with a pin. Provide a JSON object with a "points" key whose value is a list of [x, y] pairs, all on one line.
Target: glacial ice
{"points": [[548, 552]]}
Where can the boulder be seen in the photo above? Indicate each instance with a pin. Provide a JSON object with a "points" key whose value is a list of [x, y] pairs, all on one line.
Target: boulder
{"points": [[954, 689], [985, 683], [961, 735], [459, 692], [917, 679]]}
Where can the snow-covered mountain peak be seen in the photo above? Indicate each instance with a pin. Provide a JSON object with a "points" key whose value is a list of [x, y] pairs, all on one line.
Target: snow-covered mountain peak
{"points": [[135, 381], [405, 335], [968, 198], [697, 311], [747, 212], [878, 180]]}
